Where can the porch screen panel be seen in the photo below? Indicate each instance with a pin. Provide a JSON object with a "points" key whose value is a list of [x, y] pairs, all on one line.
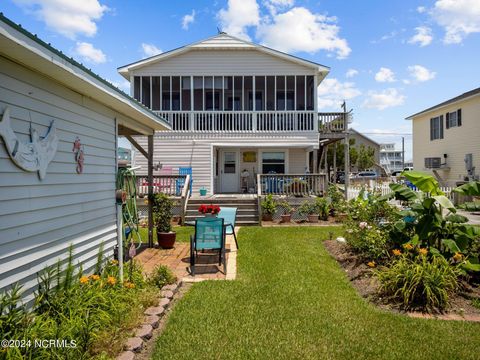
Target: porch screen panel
{"points": [[155, 92], [136, 88], [228, 92], [310, 92], [238, 93], [270, 92], [281, 93], [300, 93], [248, 92], [273, 162], [175, 92], [146, 91], [259, 93], [166, 93], [186, 92], [198, 93], [290, 93], [217, 93], [208, 83]]}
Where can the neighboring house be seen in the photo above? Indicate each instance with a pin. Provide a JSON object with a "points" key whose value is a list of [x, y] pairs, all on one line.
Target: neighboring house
{"points": [[391, 159], [233, 106], [362, 139], [71, 201], [446, 139]]}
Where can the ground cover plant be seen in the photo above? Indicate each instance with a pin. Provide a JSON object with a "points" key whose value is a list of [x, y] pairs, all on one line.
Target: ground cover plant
{"points": [[93, 313], [291, 300]]}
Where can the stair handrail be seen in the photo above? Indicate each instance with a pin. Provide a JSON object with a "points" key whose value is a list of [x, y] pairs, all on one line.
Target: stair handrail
{"points": [[186, 191]]}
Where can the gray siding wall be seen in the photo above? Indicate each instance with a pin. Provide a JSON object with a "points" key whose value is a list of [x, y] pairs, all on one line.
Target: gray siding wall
{"points": [[40, 219]]}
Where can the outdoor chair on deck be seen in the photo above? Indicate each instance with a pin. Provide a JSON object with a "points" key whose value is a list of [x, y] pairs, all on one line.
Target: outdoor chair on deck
{"points": [[229, 215], [181, 182], [209, 235]]}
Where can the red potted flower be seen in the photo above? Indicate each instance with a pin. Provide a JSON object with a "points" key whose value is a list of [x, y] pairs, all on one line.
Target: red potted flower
{"points": [[209, 210]]}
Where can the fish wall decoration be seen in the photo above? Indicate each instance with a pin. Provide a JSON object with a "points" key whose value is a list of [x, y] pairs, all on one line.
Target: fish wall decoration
{"points": [[29, 156]]}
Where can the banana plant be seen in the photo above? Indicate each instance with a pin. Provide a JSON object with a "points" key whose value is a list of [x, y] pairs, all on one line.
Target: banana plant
{"points": [[469, 189]]}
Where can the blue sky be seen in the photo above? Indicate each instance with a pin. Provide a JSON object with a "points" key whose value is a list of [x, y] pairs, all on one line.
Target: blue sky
{"points": [[388, 59]]}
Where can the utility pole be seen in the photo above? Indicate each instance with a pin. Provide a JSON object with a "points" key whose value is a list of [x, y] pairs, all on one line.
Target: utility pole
{"points": [[403, 153], [347, 150]]}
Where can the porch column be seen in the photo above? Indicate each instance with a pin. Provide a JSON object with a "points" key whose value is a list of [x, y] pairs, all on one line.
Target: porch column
{"points": [[347, 164], [150, 190]]}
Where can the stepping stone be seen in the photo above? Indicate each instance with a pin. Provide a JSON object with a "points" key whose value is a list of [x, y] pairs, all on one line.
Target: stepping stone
{"points": [[163, 303], [134, 344], [144, 332], [167, 294], [152, 320], [172, 287], [126, 355], [155, 310]]}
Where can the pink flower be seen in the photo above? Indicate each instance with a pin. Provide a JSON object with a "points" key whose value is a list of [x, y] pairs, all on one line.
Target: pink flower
{"points": [[363, 225]]}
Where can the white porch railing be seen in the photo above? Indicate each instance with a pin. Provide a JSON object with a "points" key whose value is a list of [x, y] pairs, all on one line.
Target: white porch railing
{"points": [[168, 184], [253, 121], [384, 189], [291, 184]]}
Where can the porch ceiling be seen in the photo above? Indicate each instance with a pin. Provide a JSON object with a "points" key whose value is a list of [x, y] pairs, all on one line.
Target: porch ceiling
{"points": [[264, 145]]}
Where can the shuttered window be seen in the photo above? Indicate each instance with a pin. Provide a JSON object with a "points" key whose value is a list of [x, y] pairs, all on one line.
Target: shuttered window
{"points": [[453, 119], [436, 128]]}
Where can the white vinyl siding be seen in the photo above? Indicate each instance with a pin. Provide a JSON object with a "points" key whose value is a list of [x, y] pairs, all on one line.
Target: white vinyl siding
{"points": [[297, 161], [40, 219]]}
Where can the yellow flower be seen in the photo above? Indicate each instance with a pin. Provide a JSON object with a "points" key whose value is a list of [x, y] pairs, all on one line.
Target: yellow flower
{"points": [[111, 280], [371, 264], [397, 252], [129, 285], [84, 279], [423, 251], [457, 256], [408, 246], [94, 277], [114, 262]]}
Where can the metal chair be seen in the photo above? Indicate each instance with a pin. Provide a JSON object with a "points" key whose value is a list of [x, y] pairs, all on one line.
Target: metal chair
{"points": [[209, 235], [181, 182], [229, 215]]}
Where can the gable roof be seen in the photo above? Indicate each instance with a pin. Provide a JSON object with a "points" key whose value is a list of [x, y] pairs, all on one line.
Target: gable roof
{"points": [[227, 42], [21, 46], [364, 136], [464, 96]]}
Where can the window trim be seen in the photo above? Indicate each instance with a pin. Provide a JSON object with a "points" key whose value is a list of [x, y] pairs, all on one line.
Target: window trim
{"points": [[438, 118]]}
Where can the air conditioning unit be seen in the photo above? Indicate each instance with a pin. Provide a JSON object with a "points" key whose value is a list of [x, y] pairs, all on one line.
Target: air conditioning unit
{"points": [[433, 163]]}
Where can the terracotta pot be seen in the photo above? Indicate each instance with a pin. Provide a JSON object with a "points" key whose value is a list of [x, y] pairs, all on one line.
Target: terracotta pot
{"points": [[166, 240], [267, 217], [341, 217], [286, 218], [313, 218]]}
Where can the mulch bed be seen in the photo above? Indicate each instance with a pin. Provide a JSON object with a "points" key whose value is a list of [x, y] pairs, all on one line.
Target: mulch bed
{"points": [[362, 279]]}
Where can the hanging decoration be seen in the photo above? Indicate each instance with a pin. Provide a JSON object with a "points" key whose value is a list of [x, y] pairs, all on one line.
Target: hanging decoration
{"points": [[29, 156], [78, 152]]}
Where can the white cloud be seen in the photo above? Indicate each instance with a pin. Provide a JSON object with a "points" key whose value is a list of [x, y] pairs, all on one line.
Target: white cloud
{"points": [[187, 20], [420, 73], [423, 36], [351, 73], [239, 15], [459, 18], [150, 50], [332, 93], [89, 53], [384, 99], [67, 17], [421, 9], [385, 75], [300, 30], [275, 5]]}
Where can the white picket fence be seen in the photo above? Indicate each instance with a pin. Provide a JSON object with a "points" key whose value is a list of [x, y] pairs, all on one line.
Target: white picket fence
{"points": [[384, 189]]}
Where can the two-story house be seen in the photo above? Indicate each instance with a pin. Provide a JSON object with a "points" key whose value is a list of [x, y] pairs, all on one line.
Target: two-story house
{"points": [[446, 139], [237, 109]]}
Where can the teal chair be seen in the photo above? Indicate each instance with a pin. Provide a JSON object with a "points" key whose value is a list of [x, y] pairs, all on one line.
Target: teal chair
{"points": [[229, 215], [209, 235]]}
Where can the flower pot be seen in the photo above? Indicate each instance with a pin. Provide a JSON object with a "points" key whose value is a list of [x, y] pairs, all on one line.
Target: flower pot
{"points": [[166, 240], [340, 217], [267, 217], [210, 215], [313, 218], [203, 192], [286, 218]]}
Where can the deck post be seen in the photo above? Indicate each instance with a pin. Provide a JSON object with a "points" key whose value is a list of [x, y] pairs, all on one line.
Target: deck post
{"points": [[347, 164], [150, 190]]}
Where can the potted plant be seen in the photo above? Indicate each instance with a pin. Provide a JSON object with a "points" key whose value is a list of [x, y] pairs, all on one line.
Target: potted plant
{"points": [[322, 206], [209, 210], [310, 209], [162, 218], [287, 211], [269, 207]]}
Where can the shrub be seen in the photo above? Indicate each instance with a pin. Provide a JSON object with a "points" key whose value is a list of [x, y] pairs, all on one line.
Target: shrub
{"points": [[367, 240], [419, 282], [269, 205], [161, 276], [320, 206], [286, 207], [337, 200], [162, 212]]}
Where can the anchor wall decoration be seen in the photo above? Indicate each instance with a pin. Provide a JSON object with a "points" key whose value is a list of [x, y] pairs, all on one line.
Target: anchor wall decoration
{"points": [[29, 156]]}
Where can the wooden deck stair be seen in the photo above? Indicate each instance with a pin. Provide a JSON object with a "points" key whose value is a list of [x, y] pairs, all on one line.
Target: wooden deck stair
{"points": [[247, 211]]}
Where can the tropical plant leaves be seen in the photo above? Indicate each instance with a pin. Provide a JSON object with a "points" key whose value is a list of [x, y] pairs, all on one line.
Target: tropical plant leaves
{"points": [[424, 182], [471, 188], [451, 245], [445, 202], [403, 192], [456, 218]]}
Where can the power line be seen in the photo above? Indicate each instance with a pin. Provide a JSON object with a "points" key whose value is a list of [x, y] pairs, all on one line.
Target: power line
{"points": [[385, 133]]}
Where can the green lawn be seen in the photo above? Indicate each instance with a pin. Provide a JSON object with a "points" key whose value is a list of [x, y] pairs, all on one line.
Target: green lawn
{"points": [[292, 301], [183, 233]]}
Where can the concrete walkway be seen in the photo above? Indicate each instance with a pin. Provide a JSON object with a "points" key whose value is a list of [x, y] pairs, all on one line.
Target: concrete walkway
{"points": [[473, 217]]}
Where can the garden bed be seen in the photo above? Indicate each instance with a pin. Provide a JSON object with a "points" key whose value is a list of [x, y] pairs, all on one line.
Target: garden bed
{"points": [[363, 280]]}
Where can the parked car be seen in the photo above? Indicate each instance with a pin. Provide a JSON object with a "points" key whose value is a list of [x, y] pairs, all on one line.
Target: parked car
{"points": [[366, 175], [397, 172], [340, 178]]}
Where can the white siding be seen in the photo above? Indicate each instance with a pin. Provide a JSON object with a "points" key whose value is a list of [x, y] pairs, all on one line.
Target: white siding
{"points": [[297, 160], [223, 62], [40, 219]]}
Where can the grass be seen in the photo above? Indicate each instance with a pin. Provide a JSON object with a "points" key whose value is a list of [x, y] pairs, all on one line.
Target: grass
{"points": [[183, 233], [291, 300]]}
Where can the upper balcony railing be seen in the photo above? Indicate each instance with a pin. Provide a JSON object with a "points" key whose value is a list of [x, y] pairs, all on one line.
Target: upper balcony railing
{"points": [[254, 121]]}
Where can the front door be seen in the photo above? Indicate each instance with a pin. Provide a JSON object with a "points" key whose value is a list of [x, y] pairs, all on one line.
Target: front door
{"points": [[229, 175]]}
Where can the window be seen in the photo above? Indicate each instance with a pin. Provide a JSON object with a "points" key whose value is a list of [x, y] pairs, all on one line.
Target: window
{"points": [[259, 92], [208, 82], [273, 163], [310, 92], [198, 93], [454, 119], [175, 93], [281, 93], [300, 92], [186, 93], [146, 91], [155, 92], [166, 93], [217, 93], [136, 88], [436, 128], [228, 92], [290, 93], [237, 93], [270, 92], [229, 163], [248, 92]]}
